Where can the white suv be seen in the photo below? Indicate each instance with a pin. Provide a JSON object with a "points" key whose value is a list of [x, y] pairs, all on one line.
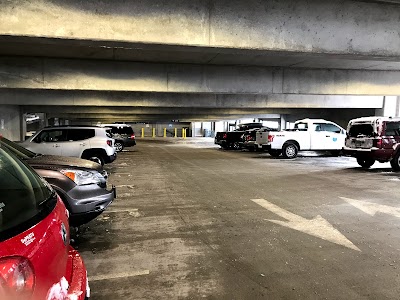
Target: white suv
{"points": [[87, 142]]}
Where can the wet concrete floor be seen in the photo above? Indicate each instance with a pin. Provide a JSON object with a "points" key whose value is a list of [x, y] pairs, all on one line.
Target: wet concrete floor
{"points": [[192, 221]]}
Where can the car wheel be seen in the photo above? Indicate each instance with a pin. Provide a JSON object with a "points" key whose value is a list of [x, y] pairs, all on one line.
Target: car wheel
{"points": [[366, 163], [235, 146], [118, 146], [97, 158], [290, 150], [274, 152], [395, 162]]}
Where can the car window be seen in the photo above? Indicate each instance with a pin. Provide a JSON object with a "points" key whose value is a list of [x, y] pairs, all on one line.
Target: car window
{"points": [[80, 134], [122, 130], [108, 133], [392, 128], [318, 126], [25, 197], [51, 136], [301, 126], [331, 128], [361, 130]]}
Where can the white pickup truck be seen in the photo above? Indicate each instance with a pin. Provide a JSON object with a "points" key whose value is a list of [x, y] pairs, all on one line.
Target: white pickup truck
{"points": [[307, 135]]}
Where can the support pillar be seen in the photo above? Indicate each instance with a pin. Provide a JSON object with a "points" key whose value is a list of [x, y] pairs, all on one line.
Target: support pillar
{"points": [[11, 122]]}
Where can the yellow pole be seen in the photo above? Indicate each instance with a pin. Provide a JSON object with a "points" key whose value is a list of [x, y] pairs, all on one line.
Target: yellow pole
{"points": [[176, 132], [165, 132], [154, 132], [142, 132], [183, 132]]}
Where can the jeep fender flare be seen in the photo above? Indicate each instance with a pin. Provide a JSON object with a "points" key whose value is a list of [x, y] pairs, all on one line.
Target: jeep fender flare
{"points": [[88, 153]]}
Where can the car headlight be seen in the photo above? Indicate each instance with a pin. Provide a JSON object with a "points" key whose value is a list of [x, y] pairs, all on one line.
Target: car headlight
{"points": [[83, 177]]}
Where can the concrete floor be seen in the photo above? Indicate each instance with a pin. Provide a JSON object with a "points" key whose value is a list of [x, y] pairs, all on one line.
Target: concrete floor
{"points": [[184, 226]]}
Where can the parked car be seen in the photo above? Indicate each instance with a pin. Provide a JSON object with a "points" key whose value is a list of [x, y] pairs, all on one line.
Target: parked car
{"points": [[249, 138], [123, 135], [308, 134], [373, 139], [81, 184], [87, 142], [232, 139], [36, 259]]}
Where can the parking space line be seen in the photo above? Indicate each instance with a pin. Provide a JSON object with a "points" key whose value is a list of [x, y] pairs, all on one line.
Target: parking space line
{"points": [[121, 210], [119, 275]]}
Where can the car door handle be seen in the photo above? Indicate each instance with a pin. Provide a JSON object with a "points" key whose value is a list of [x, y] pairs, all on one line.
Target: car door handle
{"points": [[57, 146], [328, 136], [82, 144]]}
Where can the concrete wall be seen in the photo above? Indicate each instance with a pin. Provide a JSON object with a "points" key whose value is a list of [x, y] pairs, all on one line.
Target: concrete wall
{"points": [[340, 117], [10, 122], [313, 26]]}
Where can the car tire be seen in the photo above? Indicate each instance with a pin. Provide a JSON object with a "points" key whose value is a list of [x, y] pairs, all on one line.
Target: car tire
{"points": [[395, 162], [275, 152], [365, 163], [97, 158], [118, 146], [290, 150], [235, 146]]}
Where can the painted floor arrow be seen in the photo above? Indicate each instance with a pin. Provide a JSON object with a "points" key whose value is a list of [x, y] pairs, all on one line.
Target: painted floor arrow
{"points": [[373, 208], [318, 227]]}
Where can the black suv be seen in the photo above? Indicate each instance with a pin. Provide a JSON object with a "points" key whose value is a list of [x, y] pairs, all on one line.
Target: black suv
{"points": [[123, 135]]}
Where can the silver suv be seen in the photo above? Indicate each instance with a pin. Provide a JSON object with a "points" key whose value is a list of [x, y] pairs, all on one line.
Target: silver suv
{"points": [[87, 142]]}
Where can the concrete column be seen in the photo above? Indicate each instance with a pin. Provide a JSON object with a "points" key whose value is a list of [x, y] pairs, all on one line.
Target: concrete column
{"points": [[390, 107], [11, 121], [282, 124]]}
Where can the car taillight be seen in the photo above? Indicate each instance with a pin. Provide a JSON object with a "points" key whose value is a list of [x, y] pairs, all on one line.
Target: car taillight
{"points": [[109, 143], [132, 137], [17, 279], [270, 138], [378, 143], [224, 136]]}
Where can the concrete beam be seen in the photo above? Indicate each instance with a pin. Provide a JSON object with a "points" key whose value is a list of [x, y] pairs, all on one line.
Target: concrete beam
{"points": [[67, 74], [336, 27], [190, 117], [82, 112], [180, 100]]}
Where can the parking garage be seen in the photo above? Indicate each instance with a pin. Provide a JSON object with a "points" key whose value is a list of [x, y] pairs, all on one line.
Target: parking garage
{"points": [[192, 219]]}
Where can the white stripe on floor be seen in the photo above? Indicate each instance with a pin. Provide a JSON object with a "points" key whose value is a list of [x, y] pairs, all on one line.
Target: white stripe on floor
{"points": [[120, 210], [119, 275]]}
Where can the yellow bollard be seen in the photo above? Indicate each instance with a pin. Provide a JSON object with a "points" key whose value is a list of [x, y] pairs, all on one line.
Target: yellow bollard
{"points": [[142, 132], [154, 132], [176, 132], [183, 133], [165, 132]]}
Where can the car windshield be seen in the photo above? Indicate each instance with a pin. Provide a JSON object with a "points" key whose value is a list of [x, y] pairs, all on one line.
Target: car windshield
{"points": [[361, 130], [18, 150], [25, 197]]}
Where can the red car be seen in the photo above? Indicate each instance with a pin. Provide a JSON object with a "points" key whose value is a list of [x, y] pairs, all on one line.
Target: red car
{"points": [[36, 260]]}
